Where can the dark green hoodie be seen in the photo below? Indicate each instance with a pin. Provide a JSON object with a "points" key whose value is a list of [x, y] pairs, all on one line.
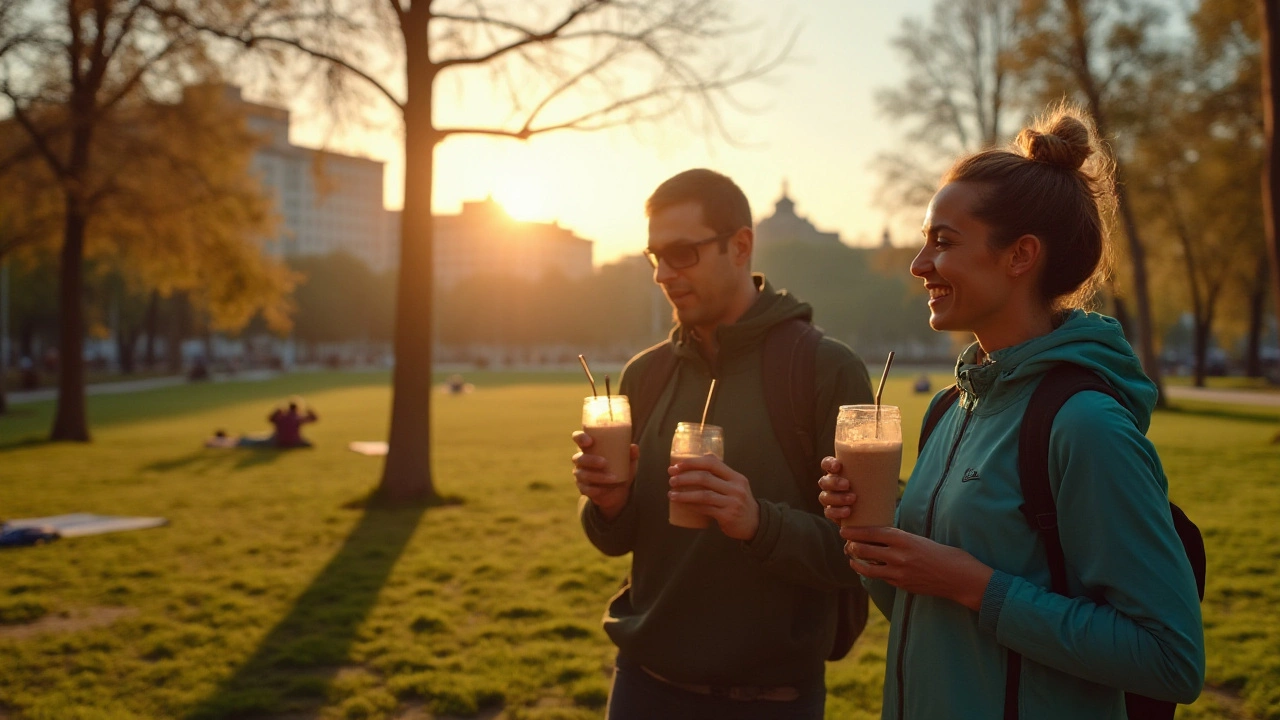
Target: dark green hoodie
{"points": [[701, 607]]}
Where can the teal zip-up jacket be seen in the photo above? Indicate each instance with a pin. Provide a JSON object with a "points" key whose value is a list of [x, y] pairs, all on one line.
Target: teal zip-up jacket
{"points": [[699, 606], [1133, 621]]}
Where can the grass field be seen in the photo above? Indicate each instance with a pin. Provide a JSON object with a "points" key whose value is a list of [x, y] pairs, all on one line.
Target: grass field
{"points": [[272, 594]]}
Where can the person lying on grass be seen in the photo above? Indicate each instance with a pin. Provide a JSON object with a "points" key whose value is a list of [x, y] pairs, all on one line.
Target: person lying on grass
{"points": [[287, 422]]}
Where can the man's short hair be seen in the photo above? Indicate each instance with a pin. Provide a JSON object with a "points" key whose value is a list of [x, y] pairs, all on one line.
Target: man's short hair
{"points": [[724, 206]]}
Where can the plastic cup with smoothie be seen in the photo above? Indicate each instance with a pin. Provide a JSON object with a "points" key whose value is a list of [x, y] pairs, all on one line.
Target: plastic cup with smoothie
{"points": [[693, 440], [607, 419], [869, 448]]}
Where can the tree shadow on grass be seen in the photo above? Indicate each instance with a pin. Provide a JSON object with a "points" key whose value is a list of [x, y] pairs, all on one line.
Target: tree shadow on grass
{"points": [[24, 443], [203, 460], [291, 669]]}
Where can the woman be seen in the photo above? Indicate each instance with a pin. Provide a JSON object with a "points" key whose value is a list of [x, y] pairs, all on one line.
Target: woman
{"points": [[1014, 244]]}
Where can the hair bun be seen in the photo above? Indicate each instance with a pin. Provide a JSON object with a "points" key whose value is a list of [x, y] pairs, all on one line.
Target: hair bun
{"points": [[1065, 144]]}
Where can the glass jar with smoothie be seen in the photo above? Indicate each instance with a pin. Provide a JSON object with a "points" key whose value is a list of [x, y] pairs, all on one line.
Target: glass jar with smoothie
{"points": [[693, 440], [607, 419], [869, 448]]}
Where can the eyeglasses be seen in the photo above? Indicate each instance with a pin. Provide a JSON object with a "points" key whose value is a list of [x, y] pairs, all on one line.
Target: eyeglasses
{"points": [[679, 256]]}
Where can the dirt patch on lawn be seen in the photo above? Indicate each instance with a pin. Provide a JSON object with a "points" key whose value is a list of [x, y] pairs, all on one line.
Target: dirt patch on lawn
{"points": [[70, 621]]}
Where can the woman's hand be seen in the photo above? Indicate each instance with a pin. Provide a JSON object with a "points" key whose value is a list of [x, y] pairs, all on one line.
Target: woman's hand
{"points": [[837, 501], [916, 564]]}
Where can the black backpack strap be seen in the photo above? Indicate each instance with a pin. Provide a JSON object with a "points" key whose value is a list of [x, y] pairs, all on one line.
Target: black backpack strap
{"points": [[789, 374], [658, 370], [940, 408], [1192, 544], [1038, 506], [1055, 388], [1040, 509]]}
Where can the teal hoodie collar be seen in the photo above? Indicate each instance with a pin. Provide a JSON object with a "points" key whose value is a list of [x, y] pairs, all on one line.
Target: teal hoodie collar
{"points": [[1092, 341]]}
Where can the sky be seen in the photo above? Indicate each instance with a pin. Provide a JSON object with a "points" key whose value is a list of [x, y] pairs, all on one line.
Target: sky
{"points": [[816, 128]]}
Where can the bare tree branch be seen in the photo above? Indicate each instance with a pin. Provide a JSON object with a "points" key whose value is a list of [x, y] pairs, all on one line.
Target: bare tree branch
{"points": [[38, 138], [530, 36], [248, 39], [132, 82], [126, 25]]}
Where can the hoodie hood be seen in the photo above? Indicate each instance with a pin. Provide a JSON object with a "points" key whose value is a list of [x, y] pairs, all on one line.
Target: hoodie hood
{"points": [[1092, 341], [770, 308]]}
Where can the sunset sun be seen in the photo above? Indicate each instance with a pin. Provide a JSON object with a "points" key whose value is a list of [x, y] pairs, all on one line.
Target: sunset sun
{"points": [[524, 197]]}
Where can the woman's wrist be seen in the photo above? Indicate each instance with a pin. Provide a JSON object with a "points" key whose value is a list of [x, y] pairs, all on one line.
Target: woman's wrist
{"points": [[972, 585]]}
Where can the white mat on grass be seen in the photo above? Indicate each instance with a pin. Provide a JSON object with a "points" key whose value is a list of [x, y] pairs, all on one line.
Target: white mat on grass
{"points": [[78, 524], [368, 447]]}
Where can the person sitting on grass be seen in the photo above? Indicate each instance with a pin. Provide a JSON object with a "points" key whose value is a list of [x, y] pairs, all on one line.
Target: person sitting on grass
{"points": [[287, 422]]}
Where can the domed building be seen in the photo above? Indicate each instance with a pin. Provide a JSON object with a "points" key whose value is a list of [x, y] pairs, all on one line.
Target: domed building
{"points": [[786, 226]]}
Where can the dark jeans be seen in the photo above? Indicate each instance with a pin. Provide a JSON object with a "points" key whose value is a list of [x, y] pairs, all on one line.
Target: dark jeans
{"points": [[636, 695]]}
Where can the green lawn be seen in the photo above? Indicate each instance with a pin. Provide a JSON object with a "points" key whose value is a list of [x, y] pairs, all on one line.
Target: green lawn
{"points": [[1230, 382], [270, 595]]}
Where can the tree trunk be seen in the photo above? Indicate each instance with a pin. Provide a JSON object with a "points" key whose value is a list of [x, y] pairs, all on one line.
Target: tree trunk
{"points": [[151, 326], [1201, 308], [177, 332], [1257, 313], [1270, 105], [126, 340], [1141, 289], [1121, 309], [406, 476], [1137, 253], [70, 421], [1200, 349]]}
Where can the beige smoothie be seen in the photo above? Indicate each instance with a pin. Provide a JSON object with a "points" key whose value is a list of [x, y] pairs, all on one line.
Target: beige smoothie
{"points": [[871, 466], [613, 443], [607, 419], [681, 515]]}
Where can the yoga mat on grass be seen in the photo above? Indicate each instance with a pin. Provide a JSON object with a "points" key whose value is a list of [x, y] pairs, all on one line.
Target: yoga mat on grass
{"points": [[79, 524], [373, 448]]}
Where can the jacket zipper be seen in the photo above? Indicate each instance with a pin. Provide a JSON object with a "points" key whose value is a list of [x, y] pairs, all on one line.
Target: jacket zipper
{"points": [[928, 532]]}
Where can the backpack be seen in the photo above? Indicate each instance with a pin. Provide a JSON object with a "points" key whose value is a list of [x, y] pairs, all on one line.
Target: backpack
{"points": [[789, 356], [1055, 388]]}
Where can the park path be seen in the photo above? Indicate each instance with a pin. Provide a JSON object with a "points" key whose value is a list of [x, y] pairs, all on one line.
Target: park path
{"points": [[131, 386], [1236, 397]]}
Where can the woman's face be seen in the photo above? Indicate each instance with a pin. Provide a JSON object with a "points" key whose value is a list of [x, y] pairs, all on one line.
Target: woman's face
{"points": [[969, 284]]}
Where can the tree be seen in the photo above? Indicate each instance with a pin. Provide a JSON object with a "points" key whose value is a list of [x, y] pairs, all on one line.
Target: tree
{"points": [[1270, 32], [567, 65], [1099, 51], [1197, 150], [82, 80], [959, 94]]}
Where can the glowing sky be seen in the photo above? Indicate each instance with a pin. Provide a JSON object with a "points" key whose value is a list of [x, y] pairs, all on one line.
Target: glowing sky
{"points": [[819, 130]]}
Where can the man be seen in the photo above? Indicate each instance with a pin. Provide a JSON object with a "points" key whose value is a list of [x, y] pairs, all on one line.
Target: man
{"points": [[735, 620]]}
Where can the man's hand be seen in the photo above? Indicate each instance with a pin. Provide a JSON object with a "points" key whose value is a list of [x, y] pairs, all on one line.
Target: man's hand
{"points": [[597, 482], [917, 564], [714, 489], [836, 498]]}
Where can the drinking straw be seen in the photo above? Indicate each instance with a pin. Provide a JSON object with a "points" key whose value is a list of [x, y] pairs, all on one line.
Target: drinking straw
{"points": [[590, 379], [608, 396], [710, 391], [880, 390]]}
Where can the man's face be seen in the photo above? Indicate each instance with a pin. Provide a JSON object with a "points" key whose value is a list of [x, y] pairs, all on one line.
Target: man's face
{"points": [[700, 294]]}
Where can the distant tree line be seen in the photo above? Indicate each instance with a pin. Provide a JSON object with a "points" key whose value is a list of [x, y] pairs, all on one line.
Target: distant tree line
{"points": [[863, 296]]}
